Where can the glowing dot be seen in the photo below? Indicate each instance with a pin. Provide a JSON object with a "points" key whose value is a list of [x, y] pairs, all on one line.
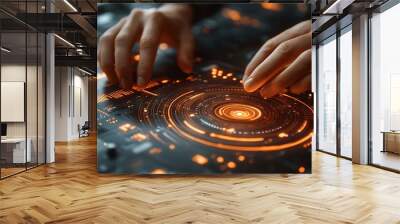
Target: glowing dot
{"points": [[220, 159], [169, 125], [138, 137], [155, 150], [158, 171], [241, 158], [220, 72], [199, 159], [163, 46], [191, 115], [234, 78], [229, 74], [230, 130], [231, 165], [214, 71], [271, 6], [136, 57], [165, 81], [145, 110], [214, 76], [171, 146], [232, 14], [301, 169], [283, 135], [126, 127], [224, 77]]}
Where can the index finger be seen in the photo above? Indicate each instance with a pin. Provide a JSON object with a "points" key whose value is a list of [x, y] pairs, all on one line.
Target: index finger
{"points": [[148, 48]]}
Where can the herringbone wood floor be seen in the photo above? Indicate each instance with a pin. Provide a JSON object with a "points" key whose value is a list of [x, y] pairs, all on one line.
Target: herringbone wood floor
{"points": [[71, 191]]}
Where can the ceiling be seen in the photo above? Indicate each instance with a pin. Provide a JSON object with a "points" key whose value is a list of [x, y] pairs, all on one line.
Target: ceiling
{"points": [[72, 20]]}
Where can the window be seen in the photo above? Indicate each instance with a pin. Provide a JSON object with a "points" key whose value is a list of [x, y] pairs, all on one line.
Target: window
{"points": [[327, 96], [22, 101], [385, 89], [346, 92]]}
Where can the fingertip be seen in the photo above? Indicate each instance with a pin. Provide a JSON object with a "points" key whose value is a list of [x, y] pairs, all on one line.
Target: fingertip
{"points": [[244, 77], [246, 73], [248, 85]]}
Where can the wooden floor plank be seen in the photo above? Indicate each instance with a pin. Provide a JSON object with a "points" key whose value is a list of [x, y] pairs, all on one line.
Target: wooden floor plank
{"points": [[71, 191]]}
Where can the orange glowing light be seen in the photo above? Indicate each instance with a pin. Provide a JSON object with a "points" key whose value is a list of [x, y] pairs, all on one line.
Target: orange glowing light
{"points": [[220, 72], [165, 81], [214, 71], [234, 78], [199, 159], [232, 14], [220, 159], [158, 171], [238, 112], [271, 6], [241, 158], [163, 46], [301, 169], [193, 128], [230, 130], [145, 110], [155, 150], [236, 17], [224, 77], [214, 76], [126, 127], [229, 74], [191, 115], [171, 146], [136, 57], [231, 165], [197, 95], [302, 127], [231, 147], [138, 137], [283, 135], [237, 139]]}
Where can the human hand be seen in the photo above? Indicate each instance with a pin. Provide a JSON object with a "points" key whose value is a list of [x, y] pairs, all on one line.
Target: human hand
{"points": [[282, 63], [170, 24]]}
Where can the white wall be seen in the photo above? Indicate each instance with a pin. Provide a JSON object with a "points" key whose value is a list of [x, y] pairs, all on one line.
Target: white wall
{"points": [[71, 93], [32, 127], [16, 73]]}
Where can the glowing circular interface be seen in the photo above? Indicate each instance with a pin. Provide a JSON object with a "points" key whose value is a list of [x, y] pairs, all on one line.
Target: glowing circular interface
{"points": [[221, 115], [238, 112]]}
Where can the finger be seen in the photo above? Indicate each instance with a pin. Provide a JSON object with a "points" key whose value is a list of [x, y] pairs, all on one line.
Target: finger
{"points": [[301, 86], [128, 35], [270, 45], [106, 51], [148, 47], [296, 71], [186, 51], [281, 57]]}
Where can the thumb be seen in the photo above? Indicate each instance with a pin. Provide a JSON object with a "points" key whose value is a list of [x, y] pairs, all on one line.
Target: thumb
{"points": [[186, 51]]}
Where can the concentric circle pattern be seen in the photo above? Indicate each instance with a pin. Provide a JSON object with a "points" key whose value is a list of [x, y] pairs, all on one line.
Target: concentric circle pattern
{"points": [[238, 112], [219, 114]]}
